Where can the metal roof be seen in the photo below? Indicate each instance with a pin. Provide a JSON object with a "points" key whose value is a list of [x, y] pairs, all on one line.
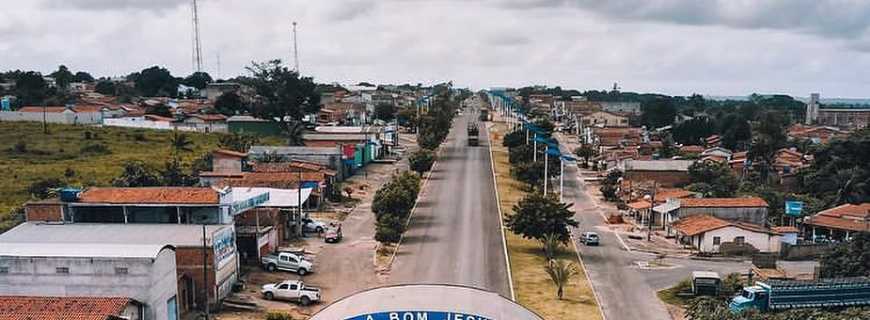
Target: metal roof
{"points": [[178, 235], [83, 250], [403, 300], [658, 165], [295, 150]]}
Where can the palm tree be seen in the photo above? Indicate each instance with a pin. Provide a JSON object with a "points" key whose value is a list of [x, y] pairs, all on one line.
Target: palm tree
{"points": [[180, 142], [551, 243], [560, 272]]}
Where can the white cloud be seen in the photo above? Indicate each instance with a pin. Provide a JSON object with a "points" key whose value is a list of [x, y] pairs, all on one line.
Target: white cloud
{"points": [[664, 46]]}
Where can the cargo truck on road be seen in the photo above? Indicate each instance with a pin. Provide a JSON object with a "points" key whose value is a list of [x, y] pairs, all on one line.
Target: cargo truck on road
{"points": [[776, 295], [473, 134]]}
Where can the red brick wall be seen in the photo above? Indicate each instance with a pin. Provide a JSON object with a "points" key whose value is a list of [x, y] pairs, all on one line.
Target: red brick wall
{"points": [[189, 261], [43, 212], [666, 179]]}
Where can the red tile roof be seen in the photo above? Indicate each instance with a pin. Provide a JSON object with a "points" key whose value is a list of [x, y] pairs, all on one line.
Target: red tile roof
{"points": [[61, 308], [663, 194], [154, 117], [723, 202], [852, 217], [697, 224], [293, 166], [151, 195], [640, 205], [785, 229], [210, 117], [288, 180], [692, 149]]}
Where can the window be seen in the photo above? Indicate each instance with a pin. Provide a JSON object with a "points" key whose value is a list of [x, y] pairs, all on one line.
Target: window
{"points": [[61, 270], [172, 309], [716, 241], [121, 270], [282, 287], [293, 287], [739, 240]]}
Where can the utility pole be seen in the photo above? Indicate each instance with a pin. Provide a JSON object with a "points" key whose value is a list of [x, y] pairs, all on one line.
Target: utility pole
{"points": [[295, 50], [197, 46], [299, 205], [652, 204], [204, 270], [546, 174]]}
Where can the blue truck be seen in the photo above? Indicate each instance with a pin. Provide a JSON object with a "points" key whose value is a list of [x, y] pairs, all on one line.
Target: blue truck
{"points": [[776, 295]]}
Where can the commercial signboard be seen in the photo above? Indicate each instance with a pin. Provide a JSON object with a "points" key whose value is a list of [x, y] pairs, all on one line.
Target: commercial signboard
{"points": [[246, 204], [418, 315], [224, 245], [794, 208]]}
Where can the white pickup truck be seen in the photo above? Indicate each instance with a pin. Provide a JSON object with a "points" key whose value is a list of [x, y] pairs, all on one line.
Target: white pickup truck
{"points": [[288, 262], [291, 290]]}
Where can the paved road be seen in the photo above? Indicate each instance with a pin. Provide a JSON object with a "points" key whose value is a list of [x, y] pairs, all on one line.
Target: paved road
{"points": [[625, 291], [454, 235]]}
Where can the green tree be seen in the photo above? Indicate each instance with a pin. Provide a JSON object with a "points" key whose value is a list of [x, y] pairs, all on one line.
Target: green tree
{"points": [[658, 112], [692, 132], [552, 244], [197, 80], [239, 142], [537, 215], [713, 179], [82, 76], [848, 259], [229, 104], [136, 174], [62, 77], [769, 137], [173, 175], [31, 89], [560, 273], [840, 171], [105, 87], [283, 96], [421, 160], [585, 151], [156, 81], [407, 117], [514, 139], [389, 228], [43, 187], [385, 112]]}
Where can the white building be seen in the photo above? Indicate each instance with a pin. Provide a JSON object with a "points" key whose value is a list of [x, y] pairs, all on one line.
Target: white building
{"points": [[707, 234], [144, 273]]}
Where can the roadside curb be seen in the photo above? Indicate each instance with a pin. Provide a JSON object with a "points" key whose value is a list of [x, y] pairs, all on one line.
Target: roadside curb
{"points": [[586, 273], [501, 217]]}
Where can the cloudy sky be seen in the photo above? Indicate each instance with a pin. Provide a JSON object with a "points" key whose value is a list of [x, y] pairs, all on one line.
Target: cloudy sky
{"points": [[720, 47]]}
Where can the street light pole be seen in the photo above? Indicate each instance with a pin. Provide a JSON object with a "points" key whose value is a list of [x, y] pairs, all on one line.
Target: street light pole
{"points": [[649, 218], [546, 174], [561, 178]]}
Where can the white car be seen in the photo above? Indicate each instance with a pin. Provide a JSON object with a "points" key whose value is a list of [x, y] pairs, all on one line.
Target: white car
{"points": [[287, 261], [291, 290], [311, 225]]}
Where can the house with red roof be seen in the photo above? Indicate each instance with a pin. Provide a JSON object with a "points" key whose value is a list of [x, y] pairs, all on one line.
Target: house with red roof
{"points": [[69, 308], [751, 210], [838, 223], [709, 234]]}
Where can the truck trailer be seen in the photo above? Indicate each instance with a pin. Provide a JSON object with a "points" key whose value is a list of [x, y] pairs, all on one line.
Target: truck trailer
{"points": [[776, 295], [473, 133]]}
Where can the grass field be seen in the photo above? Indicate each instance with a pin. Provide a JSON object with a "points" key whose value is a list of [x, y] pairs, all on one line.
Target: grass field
{"points": [[532, 285], [79, 155]]}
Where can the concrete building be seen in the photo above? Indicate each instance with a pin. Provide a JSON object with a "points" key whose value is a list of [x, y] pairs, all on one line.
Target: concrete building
{"points": [[331, 157], [838, 116], [219, 252], [604, 119], [62, 115], [709, 234], [666, 173], [142, 272]]}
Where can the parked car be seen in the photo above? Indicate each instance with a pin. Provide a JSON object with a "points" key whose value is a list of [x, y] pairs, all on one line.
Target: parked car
{"points": [[589, 238], [287, 261], [291, 290], [311, 225], [333, 233]]}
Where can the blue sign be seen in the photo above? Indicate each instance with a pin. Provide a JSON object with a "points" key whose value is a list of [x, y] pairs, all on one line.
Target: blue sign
{"points": [[418, 315], [794, 208], [5, 104], [243, 205]]}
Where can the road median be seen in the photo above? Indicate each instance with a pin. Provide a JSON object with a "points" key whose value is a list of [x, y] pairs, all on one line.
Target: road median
{"points": [[532, 284]]}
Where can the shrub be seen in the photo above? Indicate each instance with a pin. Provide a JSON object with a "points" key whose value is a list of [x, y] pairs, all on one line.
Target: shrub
{"points": [[88, 135], [94, 149], [274, 315], [20, 147], [514, 139], [41, 189], [69, 172], [422, 160]]}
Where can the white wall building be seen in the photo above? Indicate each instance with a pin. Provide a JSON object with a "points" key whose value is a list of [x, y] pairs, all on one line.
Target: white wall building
{"points": [[707, 234]]}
